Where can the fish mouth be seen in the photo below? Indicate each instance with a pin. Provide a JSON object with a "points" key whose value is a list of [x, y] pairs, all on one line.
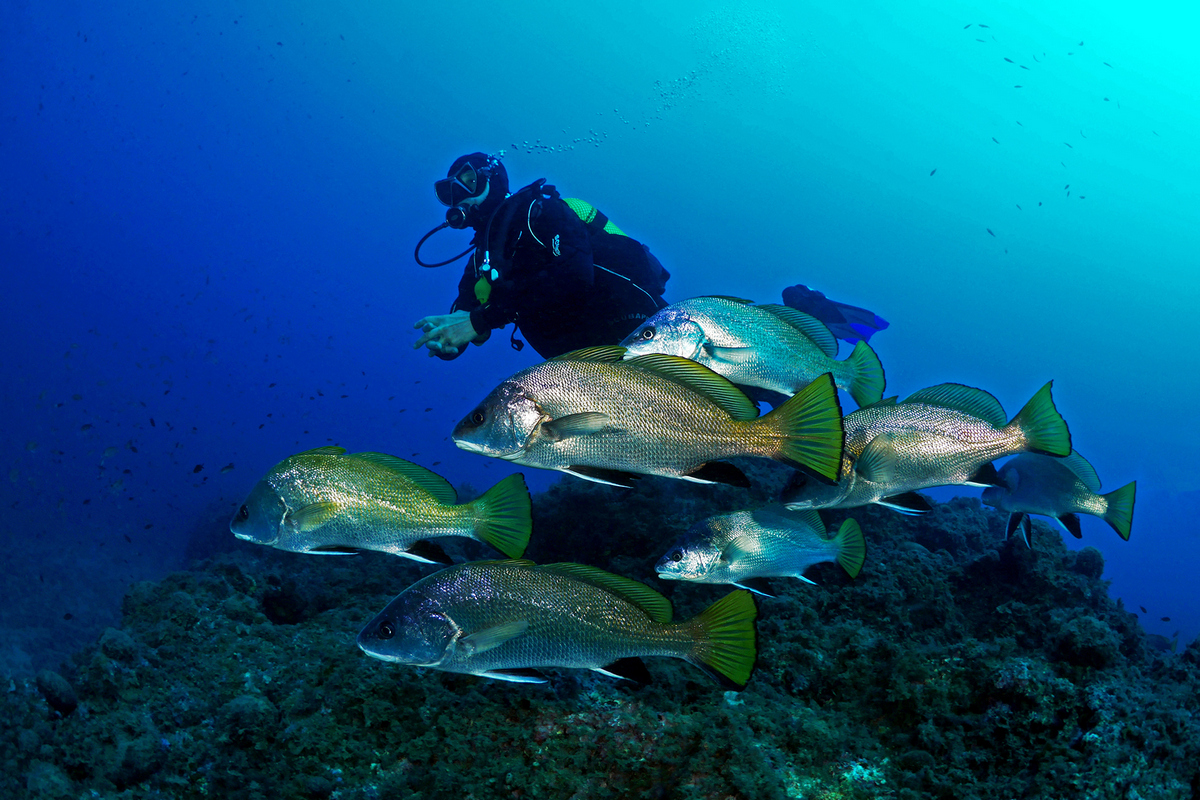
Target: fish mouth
{"points": [[472, 447], [249, 537]]}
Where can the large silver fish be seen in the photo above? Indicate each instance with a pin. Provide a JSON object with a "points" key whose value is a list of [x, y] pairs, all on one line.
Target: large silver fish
{"points": [[746, 547], [591, 414], [771, 347], [944, 435], [328, 501], [505, 619], [1060, 488]]}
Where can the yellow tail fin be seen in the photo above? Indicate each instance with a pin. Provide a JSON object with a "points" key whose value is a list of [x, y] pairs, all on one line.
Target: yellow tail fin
{"points": [[726, 645], [1120, 509], [852, 547], [507, 517], [810, 429]]}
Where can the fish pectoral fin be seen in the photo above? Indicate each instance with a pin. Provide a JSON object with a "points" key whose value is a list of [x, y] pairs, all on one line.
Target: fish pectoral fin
{"points": [[627, 669], [760, 586], [584, 423], [491, 638], [877, 463], [333, 550], [985, 476], [428, 553], [719, 472], [907, 503], [1070, 523], [515, 675], [734, 356], [314, 515], [609, 477]]}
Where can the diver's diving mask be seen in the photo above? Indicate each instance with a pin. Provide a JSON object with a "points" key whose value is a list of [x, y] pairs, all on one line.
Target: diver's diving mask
{"points": [[459, 187]]}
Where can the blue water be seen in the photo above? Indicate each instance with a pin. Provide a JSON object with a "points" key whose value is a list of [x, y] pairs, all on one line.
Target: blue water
{"points": [[208, 215]]}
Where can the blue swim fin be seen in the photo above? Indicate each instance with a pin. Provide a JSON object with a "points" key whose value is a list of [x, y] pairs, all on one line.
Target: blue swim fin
{"points": [[847, 322]]}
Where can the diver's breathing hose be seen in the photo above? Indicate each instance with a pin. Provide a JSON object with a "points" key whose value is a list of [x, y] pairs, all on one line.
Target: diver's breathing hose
{"points": [[417, 250]]}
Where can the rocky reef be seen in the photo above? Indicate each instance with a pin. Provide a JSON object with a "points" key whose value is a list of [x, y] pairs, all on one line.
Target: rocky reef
{"points": [[957, 664]]}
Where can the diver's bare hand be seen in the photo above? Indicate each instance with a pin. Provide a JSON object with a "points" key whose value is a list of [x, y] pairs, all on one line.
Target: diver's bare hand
{"points": [[446, 334]]}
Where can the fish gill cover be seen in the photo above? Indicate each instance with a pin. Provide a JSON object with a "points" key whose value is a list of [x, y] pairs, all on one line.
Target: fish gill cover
{"points": [[206, 243]]}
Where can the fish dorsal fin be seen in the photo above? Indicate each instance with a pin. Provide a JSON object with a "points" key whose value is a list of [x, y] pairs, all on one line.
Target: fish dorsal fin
{"points": [[431, 482], [657, 607], [508, 562], [327, 450], [1082, 469], [807, 324], [605, 354], [739, 300], [702, 380], [807, 517], [966, 399]]}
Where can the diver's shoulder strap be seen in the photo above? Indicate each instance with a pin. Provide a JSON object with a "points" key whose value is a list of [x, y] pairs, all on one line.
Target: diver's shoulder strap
{"points": [[593, 218]]}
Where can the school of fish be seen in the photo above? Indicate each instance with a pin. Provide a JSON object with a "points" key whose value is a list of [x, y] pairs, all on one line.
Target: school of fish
{"points": [[676, 399]]}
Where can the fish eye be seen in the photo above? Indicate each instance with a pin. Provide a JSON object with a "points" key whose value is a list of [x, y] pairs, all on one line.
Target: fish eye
{"points": [[647, 332], [477, 417], [677, 555], [243, 512], [386, 629]]}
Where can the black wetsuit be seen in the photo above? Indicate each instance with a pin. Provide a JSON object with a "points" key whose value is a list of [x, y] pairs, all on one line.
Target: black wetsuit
{"points": [[565, 282]]}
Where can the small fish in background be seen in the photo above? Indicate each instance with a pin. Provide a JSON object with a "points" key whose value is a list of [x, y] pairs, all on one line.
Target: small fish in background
{"points": [[1061, 488], [593, 415], [945, 435], [505, 619], [1105, 63], [771, 347], [989, 230], [1009, 60], [227, 468], [1143, 608], [1165, 619], [932, 171], [1068, 144], [747, 547], [326, 501], [994, 139]]}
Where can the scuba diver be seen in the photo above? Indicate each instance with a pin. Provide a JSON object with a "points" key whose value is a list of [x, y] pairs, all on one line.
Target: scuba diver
{"points": [[554, 267]]}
